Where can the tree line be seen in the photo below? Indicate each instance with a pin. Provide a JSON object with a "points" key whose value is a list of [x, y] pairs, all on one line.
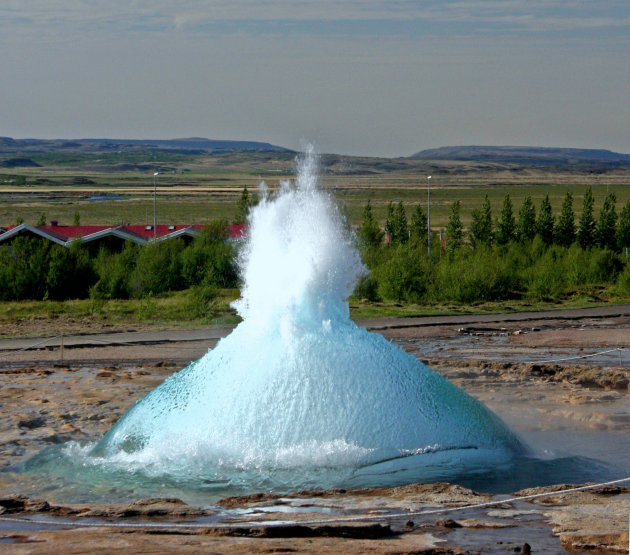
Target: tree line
{"points": [[608, 231], [32, 268], [526, 254], [529, 253]]}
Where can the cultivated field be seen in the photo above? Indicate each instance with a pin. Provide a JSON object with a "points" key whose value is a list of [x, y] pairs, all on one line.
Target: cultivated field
{"points": [[202, 188]]}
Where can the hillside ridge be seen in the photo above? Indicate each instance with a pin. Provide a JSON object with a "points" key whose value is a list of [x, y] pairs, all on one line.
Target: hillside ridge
{"points": [[544, 156], [191, 145]]}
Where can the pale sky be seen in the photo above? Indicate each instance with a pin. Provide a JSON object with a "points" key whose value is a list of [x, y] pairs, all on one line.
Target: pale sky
{"points": [[366, 77]]}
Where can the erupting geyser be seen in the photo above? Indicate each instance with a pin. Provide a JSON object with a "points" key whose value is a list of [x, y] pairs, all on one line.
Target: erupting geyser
{"points": [[298, 395]]}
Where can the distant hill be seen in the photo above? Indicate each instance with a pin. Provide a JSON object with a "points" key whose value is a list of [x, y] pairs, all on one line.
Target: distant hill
{"points": [[536, 156], [19, 163], [194, 145]]}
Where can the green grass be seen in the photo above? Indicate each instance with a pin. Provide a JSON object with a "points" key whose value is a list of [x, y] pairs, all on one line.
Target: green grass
{"points": [[171, 310], [56, 188], [174, 311], [586, 298], [198, 206], [134, 210]]}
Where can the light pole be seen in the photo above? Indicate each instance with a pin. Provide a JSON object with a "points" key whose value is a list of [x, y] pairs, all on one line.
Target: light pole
{"points": [[155, 204], [429, 215]]}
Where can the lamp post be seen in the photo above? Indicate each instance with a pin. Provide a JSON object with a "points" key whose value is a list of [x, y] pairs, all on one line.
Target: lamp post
{"points": [[429, 215], [155, 204]]}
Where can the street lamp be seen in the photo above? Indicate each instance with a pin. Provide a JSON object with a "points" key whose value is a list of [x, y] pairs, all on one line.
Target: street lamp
{"points": [[155, 204], [429, 215]]}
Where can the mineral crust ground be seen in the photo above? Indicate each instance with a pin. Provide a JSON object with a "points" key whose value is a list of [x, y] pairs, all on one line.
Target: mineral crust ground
{"points": [[500, 359]]}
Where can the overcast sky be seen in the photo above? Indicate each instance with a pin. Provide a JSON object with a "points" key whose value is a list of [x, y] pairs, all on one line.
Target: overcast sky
{"points": [[371, 77]]}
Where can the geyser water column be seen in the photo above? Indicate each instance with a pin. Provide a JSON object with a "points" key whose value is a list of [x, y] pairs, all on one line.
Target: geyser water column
{"points": [[297, 386]]}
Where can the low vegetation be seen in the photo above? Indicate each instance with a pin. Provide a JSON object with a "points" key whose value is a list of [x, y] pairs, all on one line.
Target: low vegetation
{"points": [[516, 256], [526, 257], [31, 268]]}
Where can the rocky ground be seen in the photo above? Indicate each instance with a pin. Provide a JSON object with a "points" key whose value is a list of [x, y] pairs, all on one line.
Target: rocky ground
{"points": [[410, 519], [45, 403]]}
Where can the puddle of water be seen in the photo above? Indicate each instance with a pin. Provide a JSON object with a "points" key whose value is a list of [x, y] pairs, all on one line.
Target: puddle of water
{"points": [[608, 447], [495, 348], [289, 509]]}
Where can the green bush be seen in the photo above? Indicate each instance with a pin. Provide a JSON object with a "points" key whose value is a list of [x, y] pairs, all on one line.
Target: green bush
{"points": [[404, 276], [577, 264], [367, 288], [623, 281], [201, 302], [548, 278], [24, 268], [210, 259], [604, 266], [148, 307], [114, 271], [70, 272], [31, 268], [158, 269], [477, 275]]}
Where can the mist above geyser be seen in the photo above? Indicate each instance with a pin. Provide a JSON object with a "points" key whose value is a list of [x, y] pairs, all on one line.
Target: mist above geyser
{"points": [[299, 395]]}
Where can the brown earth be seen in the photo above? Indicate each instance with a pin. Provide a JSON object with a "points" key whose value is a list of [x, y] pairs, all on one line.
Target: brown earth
{"points": [[44, 404], [67, 325]]}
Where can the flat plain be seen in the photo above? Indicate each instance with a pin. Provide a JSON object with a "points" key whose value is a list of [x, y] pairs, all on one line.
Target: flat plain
{"points": [[198, 189]]}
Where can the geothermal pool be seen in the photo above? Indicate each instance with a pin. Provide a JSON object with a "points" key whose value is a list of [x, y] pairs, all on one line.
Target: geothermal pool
{"points": [[565, 449], [298, 396]]}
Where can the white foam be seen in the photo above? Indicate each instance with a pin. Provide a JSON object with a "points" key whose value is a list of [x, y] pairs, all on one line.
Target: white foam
{"points": [[297, 384]]}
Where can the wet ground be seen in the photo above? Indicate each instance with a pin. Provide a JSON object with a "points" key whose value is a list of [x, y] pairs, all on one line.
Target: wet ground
{"points": [[571, 410], [518, 337]]}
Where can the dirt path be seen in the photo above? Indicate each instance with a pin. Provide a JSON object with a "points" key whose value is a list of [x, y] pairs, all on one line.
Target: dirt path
{"points": [[459, 336], [608, 311]]}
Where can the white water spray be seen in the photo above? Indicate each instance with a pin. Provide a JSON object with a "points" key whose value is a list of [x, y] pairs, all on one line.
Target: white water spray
{"points": [[298, 394]]}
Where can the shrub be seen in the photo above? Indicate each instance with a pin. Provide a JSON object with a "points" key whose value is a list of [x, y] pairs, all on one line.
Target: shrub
{"points": [[158, 268], [577, 264], [23, 269], [367, 288], [201, 301], [404, 276], [547, 277], [623, 281], [477, 275], [604, 266], [209, 259], [114, 273], [70, 272], [148, 307]]}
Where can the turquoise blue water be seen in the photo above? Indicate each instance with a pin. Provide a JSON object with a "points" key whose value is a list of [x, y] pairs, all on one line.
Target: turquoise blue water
{"points": [[297, 396]]}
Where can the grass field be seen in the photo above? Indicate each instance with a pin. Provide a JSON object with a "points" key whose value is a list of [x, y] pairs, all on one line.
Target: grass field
{"points": [[200, 189], [173, 310]]}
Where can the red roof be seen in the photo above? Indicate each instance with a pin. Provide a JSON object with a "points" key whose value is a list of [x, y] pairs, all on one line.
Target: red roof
{"points": [[146, 231], [67, 232], [236, 231]]}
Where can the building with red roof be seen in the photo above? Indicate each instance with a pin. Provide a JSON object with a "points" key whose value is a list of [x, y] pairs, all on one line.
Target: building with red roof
{"points": [[64, 235]]}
